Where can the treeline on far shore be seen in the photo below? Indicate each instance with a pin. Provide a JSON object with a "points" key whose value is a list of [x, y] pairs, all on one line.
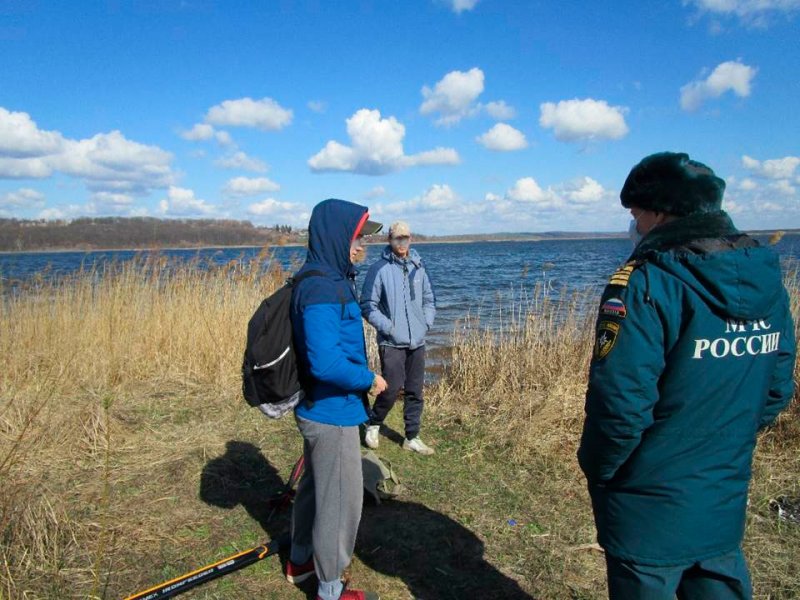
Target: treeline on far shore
{"points": [[85, 233], [18, 235]]}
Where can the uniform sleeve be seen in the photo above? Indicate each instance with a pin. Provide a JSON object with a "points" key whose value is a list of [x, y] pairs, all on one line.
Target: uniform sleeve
{"points": [[781, 388], [626, 365], [370, 301], [327, 360], [428, 300]]}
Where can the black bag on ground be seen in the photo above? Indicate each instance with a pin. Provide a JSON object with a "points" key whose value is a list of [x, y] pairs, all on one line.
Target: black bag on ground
{"points": [[270, 379]]}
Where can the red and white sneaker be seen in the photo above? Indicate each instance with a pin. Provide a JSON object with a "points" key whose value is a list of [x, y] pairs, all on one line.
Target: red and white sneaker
{"points": [[356, 595], [299, 573]]}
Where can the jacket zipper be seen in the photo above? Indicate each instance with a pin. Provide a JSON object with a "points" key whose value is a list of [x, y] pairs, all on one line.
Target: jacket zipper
{"points": [[405, 304]]}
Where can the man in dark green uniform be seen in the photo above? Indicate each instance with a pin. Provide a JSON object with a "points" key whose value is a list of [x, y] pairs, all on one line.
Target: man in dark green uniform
{"points": [[694, 355]]}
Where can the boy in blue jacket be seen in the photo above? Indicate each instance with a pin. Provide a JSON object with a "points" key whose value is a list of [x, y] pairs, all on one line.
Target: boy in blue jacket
{"points": [[329, 342], [694, 354]]}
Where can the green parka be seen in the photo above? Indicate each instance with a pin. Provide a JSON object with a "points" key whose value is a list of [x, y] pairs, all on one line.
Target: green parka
{"points": [[694, 355]]}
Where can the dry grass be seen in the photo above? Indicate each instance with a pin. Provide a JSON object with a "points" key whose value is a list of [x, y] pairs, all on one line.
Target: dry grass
{"points": [[128, 457]]}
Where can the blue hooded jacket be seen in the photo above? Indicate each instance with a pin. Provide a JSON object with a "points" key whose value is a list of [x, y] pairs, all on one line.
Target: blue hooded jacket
{"points": [[695, 353], [397, 299], [326, 320]]}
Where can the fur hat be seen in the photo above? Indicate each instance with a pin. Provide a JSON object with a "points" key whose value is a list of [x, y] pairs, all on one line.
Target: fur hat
{"points": [[672, 183]]}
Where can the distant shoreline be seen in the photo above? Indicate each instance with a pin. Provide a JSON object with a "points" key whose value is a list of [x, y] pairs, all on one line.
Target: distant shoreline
{"points": [[510, 238]]}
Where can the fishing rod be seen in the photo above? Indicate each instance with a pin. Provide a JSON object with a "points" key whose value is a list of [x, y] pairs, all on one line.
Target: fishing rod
{"points": [[278, 502], [181, 584]]}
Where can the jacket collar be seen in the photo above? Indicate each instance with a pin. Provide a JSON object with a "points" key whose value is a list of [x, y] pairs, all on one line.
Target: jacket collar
{"points": [[413, 256], [685, 230]]}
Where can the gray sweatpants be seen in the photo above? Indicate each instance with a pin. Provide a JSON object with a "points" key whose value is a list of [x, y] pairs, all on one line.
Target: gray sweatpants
{"points": [[327, 507]]}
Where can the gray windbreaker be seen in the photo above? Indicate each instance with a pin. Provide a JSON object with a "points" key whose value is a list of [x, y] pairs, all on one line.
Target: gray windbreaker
{"points": [[397, 299]]}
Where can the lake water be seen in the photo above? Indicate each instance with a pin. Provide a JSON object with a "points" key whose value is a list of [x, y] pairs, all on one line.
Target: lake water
{"points": [[476, 279]]}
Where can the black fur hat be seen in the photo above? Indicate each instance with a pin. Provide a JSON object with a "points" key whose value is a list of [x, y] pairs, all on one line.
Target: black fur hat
{"points": [[672, 183]]}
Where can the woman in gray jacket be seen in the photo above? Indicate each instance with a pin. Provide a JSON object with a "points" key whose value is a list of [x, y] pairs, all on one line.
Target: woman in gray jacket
{"points": [[397, 299]]}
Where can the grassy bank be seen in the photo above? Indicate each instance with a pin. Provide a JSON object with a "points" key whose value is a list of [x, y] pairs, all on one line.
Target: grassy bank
{"points": [[127, 455]]}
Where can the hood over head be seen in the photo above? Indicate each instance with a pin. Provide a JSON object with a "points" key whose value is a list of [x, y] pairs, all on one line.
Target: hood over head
{"points": [[332, 227]]}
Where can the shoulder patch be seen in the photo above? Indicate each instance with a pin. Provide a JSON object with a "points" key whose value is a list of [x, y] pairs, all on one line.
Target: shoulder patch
{"points": [[614, 307], [607, 332], [621, 276]]}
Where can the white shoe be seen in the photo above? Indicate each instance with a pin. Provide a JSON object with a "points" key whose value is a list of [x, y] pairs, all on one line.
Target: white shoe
{"points": [[371, 439], [417, 445]]}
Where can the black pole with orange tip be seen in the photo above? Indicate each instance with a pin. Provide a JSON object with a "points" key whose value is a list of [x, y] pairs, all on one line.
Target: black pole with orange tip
{"points": [[181, 584]]}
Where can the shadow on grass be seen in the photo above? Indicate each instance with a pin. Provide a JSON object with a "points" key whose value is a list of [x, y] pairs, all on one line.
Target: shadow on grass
{"points": [[431, 553], [435, 556], [243, 476]]}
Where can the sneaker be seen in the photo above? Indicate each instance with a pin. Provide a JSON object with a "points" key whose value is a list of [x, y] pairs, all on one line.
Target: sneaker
{"points": [[371, 439], [356, 595], [299, 573], [417, 445]]}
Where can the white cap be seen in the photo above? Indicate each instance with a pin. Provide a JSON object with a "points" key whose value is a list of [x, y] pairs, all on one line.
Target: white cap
{"points": [[399, 229]]}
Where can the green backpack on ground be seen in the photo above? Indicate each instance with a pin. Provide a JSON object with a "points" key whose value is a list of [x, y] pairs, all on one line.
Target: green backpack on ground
{"points": [[380, 480]]}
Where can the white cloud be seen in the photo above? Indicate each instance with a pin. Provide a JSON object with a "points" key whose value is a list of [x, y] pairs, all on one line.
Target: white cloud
{"points": [[579, 193], [111, 161], [270, 210], [776, 168], [459, 6], [728, 76], [22, 198], [240, 160], [66, 212], [747, 184], [270, 206], [584, 120], [113, 199], [437, 156], [584, 190], [317, 106], [376, 192], [106, 161], [526, 190], [750, 12], [438, 197], [265, 114], [500, 110], [783, 187], [203, 131], [453, 96], [182, 202], [25, 168], [503, 138], [580, 203], [377, 148], [245, 186], [20, 137]]}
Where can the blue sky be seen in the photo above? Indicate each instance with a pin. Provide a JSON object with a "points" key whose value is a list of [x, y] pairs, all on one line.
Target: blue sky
{"points": [[459, 116]]}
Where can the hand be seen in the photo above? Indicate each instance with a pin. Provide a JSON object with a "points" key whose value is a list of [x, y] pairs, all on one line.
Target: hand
{"points": [[379, 385]]}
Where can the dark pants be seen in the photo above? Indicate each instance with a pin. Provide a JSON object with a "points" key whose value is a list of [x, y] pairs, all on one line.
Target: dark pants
{"points": [[723, 577], [401, 368]]}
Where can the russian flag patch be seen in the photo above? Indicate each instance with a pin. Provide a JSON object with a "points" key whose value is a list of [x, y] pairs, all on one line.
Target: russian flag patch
{"points": [[614, 307]]}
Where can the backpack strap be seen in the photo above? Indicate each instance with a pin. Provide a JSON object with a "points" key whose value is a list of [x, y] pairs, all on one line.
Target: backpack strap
{"points": [[295, 279]]}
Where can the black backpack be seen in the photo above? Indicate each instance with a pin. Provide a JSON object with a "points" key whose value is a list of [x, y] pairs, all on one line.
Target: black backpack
{"points": [[270, 378]]}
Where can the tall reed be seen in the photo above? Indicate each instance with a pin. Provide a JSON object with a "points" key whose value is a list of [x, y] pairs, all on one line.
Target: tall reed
{"points": [[138, 332]]}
